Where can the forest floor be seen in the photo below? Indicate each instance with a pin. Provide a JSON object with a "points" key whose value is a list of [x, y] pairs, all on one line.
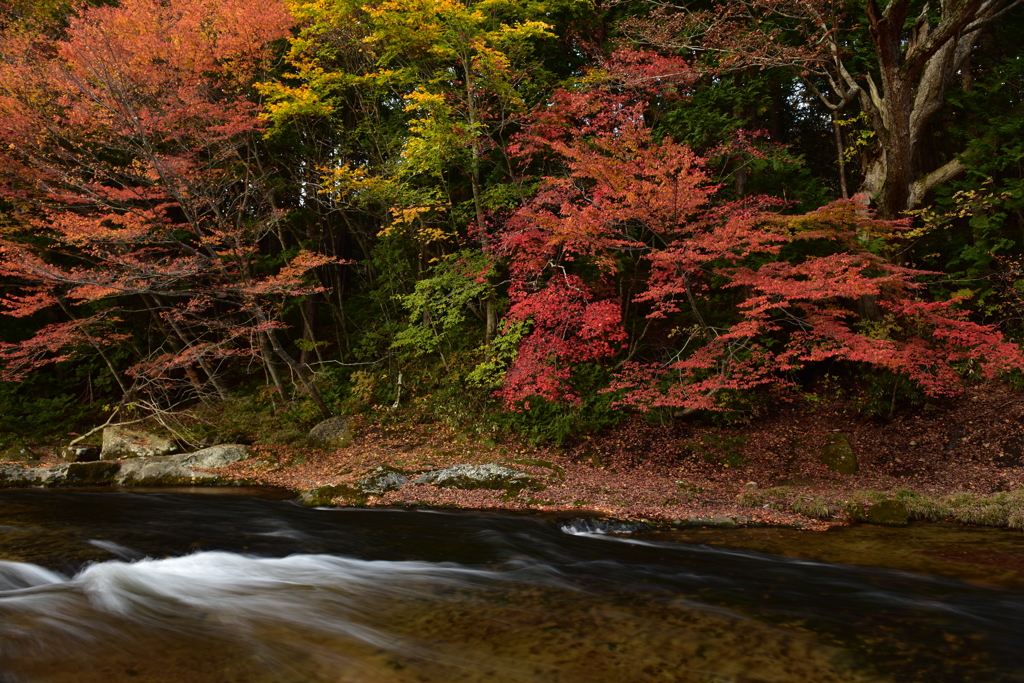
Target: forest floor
{"points": [[765, 471]]}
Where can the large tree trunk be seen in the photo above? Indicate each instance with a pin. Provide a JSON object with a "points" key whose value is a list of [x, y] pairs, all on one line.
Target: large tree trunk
{"points": [[916, 68]]}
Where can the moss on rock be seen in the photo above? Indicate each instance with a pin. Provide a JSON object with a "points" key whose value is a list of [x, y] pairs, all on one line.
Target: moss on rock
{"points": [[324, 496], [837, 454], [889, 513]]}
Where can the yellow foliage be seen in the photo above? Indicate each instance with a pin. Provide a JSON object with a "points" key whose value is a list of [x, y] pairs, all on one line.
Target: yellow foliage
{"points": [[410, 220]]}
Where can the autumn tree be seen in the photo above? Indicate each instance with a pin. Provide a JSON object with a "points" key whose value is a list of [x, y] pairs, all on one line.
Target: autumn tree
{"points": [[895, 63], [632, 228], [437, 86], [130, 158]]}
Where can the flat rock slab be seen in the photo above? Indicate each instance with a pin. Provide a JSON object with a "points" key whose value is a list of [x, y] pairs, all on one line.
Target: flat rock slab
{"points": [[383, 479], [215, 456], [163, 470], [157, 470], [469, 477], [65, 474]]}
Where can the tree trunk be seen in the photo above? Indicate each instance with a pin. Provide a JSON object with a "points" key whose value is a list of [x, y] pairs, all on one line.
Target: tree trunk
{"points": [[491, 300]]}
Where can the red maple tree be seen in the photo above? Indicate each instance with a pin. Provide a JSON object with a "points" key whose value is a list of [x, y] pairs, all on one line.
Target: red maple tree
{"points": [[631, 227], [128, 149]]}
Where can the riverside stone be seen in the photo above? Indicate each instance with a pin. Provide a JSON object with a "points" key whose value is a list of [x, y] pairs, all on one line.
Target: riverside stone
{"points": [[78, 473], [332, 433], [215, 456], [889, 513], [469, 477], [722, 522], [837, 454], [119, 443], [80, 453], [324, 496], [163, 470], [382, 479], [156, 470], [18, 475]]}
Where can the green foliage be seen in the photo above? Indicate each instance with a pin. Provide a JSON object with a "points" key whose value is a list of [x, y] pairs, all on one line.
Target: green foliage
{"points": [[439, 303], [500, 354], [544, 422], [883, 394]]}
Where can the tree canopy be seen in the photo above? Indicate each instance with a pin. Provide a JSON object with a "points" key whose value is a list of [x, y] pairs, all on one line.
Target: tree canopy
{"points": [[518, 205]]}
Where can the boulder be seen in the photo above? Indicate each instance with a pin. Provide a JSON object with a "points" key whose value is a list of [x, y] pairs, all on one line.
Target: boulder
{"points": [[80, 453], [382, 479], [119, 443], [332, 433], [164, 470], [77, 474], [161, 470], [64, 474], [12, 476], [468, 477], [889, 513], [837, 455]]}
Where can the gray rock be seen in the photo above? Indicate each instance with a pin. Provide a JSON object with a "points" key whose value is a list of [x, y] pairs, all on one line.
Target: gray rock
{"points": [[332, 433], [382, 479], [214, 457], [80, 453], [18, 475], [468, 477], [837, 455], [164, 470], [78, 474], [119, 443], [64, 474], [161, 470]]}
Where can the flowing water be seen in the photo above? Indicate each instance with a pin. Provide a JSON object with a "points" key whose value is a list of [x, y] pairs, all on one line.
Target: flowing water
{"points": [[174, 586]]}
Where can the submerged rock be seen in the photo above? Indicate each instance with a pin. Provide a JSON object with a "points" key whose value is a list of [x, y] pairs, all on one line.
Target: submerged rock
{"points": [[119, 443], [332, 433], [469, 477], [837, 455], [383, 479]]}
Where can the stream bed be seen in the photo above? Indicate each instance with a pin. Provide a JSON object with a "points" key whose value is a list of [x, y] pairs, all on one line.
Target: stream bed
{"points": [[243, 585]]}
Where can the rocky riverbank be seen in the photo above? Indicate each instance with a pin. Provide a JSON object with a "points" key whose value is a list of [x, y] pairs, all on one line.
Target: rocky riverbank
{"points": [[811, 467]]}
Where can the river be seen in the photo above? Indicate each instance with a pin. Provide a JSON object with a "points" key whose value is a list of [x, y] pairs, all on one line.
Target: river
{"points": [[183, 586]]}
